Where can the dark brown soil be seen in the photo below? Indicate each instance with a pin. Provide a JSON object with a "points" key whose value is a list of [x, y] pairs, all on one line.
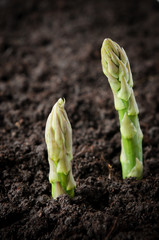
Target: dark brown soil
{"points": [[51, 49]]}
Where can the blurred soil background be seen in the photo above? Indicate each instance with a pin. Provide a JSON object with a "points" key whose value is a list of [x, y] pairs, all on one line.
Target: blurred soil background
{"points": [[51, 49]]}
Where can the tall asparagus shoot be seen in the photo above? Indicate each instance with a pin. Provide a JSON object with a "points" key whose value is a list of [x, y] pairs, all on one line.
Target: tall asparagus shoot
{"points": [[58, 137], [116, 67]]}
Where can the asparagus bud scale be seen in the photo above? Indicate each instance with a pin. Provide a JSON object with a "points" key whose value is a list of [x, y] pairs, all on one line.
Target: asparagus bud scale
{"points": [[58, 137], [116, 67]]}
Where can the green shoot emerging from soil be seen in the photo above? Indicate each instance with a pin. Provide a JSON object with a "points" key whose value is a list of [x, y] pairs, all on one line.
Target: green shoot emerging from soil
{"points": [[58, 137], [116, 67]]}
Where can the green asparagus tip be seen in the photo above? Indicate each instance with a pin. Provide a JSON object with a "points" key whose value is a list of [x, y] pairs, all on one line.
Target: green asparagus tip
{"points": [[58, 137], [116, 67]]}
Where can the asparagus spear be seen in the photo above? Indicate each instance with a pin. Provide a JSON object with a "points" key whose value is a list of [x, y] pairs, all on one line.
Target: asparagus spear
{"points": [[116, 67], [58, 137]]}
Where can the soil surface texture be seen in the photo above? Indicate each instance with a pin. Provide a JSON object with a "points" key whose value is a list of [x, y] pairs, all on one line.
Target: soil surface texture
{"points": [[51, 49]]}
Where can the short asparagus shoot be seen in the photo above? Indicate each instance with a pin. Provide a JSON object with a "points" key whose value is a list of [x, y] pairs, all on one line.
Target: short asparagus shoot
{"points": [[116, 67], [58, 137]]}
